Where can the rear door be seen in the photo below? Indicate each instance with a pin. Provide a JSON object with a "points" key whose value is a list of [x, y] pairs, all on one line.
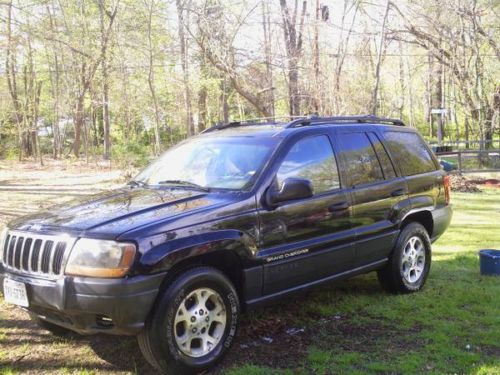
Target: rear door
{"points": [[418, 165], [308, 239], [377, 194]]}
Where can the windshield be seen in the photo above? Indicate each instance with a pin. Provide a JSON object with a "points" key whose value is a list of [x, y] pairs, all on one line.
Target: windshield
{"points": [[224, 163]]}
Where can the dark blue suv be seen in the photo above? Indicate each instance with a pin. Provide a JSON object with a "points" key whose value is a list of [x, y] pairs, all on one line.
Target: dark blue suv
{"points": [[235, 217]]}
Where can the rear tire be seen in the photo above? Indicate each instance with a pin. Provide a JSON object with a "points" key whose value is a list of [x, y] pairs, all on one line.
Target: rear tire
{"points": [[409, 263], [192, 324]]}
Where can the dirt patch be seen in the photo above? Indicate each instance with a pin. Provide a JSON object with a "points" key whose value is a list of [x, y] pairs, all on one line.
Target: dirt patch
{"points": [[487, 182], [369, 336]]}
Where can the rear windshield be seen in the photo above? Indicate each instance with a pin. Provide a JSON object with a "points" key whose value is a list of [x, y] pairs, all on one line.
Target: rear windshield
{"points": [[410, 152]]}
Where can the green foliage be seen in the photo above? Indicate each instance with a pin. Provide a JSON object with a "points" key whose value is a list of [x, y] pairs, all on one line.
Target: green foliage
{"points": [[227, 72], [8, 148], [127, 155], [11, 153]]}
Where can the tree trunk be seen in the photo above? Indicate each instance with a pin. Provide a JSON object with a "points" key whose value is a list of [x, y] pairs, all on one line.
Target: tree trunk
{"points": [[266, 24], [293, 45], [317, 83], [151, 81], [437, 97], [379, 61], [185, 68], [105, 83], [402, 83], [202, 108], [78, 122], [55, 88], [10, 71], [224, 105], [36, 105]]}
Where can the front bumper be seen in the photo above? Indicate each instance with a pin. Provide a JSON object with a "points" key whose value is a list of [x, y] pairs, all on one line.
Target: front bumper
{"points": [[91, 305]]}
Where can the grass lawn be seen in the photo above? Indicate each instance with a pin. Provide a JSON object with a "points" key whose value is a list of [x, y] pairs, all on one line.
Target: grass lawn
{"points": [[452, 326]]}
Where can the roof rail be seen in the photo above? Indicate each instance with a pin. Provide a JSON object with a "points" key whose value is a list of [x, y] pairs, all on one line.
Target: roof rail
{"points": [[248, 122], [298, 121], [306, 121]]}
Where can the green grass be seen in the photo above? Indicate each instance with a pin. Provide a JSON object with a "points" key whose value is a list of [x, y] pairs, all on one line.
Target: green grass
{"points": [[452, 326], [350, 327]]}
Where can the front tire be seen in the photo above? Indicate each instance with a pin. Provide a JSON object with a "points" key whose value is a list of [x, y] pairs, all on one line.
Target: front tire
{"points": [[193, 323], [409, 263]]}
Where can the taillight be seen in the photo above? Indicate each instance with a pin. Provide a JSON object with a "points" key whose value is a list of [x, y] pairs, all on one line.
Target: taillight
{"points": [[447, 188]]}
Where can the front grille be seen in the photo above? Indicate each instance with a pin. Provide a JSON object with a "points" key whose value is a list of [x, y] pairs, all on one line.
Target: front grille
{"points": [[35, 254]]}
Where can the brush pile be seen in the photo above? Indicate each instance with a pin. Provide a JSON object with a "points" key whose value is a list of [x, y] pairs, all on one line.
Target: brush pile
{"points": [[462, 184]]}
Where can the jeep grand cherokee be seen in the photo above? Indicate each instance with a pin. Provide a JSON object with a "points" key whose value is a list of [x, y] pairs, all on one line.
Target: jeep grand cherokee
{"points": [[235, 217]]}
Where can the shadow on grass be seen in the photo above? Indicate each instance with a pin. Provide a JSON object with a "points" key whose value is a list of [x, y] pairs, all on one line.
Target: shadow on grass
{"points": [[317, 331], [20, 338]]}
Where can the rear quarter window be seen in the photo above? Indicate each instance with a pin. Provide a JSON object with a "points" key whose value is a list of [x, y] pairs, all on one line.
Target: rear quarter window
{"points": [[410, 152]]}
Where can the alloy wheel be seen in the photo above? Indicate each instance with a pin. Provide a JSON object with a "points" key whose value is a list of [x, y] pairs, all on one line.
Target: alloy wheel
{"points": [[200, 322], [413, 259]]}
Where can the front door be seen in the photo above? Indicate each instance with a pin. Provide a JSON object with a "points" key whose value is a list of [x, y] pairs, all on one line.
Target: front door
{"points": [[307, 239]]}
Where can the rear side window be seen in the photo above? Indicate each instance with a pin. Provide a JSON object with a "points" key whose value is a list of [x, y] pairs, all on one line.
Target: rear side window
{"points": [[410, 152], [383, 158], [362, 165], [311, 158]]}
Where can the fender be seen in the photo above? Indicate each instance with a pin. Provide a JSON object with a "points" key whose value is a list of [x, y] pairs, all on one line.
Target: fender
{"points": [[163, 256], [410, 206], [427, 210]]}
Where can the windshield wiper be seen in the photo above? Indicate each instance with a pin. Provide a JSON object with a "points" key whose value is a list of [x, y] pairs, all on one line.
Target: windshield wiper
{"points": [[185, 183], [136, 183]]}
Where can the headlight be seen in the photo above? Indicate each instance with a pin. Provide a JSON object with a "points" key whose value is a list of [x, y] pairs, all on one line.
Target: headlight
{"points": [[100, 258], [3, 237]]}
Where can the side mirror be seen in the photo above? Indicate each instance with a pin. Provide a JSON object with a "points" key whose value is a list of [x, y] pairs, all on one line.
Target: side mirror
{"points": [[292, 188]]}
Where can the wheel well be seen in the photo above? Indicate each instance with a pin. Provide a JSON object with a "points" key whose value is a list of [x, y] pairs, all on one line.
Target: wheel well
{"points": [[225, 261], [422, 217]]}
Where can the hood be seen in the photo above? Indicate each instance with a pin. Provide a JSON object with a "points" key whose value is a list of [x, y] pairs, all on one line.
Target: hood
{"points": [[115, 212]]}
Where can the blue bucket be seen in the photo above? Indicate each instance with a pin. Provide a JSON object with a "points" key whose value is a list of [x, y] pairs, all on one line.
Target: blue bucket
{"points": [[489, 261]]}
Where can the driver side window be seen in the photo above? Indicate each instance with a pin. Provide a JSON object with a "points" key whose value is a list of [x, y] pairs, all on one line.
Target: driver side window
{"points": [[311, 158]]}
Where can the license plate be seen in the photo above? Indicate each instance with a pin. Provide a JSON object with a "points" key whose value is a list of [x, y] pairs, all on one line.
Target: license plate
{"points": [[15, 292]]}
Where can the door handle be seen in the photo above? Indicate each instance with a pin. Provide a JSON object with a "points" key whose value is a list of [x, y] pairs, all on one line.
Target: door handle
{"points": [[341, 206], [398, 192]]}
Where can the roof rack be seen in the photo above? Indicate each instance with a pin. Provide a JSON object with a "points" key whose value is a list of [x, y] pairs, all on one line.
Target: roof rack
{"points": [[306, 121], [298, 121], [249, 122]]}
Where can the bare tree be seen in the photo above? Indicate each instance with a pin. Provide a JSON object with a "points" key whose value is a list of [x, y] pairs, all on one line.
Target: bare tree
{"points": [[55, 83], [217, 46], [343, 46], [151, 76], [379, 61], [10, 72], [456, 43], [185, 67], [103, 13], [86, 65], [266, 26], [293, 44]]}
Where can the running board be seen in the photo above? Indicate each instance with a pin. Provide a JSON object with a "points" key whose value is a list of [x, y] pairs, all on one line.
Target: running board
{"points": [[256, 302]]}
